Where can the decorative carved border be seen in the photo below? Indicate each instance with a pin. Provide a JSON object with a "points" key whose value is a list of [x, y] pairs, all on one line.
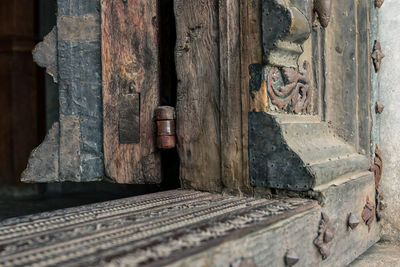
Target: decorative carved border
{"points": [[172, 225]]}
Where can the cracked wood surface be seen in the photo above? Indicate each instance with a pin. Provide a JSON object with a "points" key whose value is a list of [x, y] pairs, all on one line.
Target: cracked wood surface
{"points": [[216, 43], [130, 67]]}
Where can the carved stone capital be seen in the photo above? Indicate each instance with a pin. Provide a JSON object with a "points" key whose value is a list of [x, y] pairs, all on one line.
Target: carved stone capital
{"points": [[285, 29]]}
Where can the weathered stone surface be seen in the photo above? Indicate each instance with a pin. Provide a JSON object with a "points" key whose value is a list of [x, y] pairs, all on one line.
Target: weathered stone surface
{"points": [[297, 153], [188, 228], [45, 54], [298, 232], [387, 125], [381, 254], [43, 163]]}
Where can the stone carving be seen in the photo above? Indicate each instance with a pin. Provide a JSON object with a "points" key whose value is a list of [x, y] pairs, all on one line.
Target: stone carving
{"points": [[154, 228], [377, 56], [288, 86], [379, 3], [368, 213], [293, 91], [377, 167], [326, 234], [322, 12], [353, 221], [285, 29]]}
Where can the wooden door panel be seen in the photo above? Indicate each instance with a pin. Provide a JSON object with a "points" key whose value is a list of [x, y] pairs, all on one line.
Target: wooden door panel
{"points": [[198, 100], [130, 90]]}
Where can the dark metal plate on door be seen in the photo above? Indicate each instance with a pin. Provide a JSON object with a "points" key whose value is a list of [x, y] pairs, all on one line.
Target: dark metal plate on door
{"points": [[129, 118]]}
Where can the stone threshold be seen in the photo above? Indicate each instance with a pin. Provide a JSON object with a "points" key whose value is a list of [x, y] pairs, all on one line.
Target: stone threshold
{"points": [[150, 230]]}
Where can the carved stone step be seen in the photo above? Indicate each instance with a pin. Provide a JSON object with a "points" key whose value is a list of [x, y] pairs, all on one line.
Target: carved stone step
{"points": [[188, 228], [333, 168], [268, 246], [298, 155], [157, 229]]}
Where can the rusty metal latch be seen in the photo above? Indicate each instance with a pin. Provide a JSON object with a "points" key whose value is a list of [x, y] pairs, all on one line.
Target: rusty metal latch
{"points": [[165, 119], [368, 213]]}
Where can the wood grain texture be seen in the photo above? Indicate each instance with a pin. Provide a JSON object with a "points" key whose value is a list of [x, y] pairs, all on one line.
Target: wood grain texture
{"points": [[230, 102], [130, 66], [217, 41], [198, 94], [251, 53]]}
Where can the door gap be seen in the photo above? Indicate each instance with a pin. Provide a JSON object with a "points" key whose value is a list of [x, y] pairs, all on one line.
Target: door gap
{"points": [[168, 85]]}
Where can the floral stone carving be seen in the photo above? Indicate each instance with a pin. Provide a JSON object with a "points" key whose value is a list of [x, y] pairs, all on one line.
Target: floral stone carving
{"points": [[290, 89]]}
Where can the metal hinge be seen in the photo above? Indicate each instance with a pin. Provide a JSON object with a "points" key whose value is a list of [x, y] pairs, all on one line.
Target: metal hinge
{"points": [[165, 119]]}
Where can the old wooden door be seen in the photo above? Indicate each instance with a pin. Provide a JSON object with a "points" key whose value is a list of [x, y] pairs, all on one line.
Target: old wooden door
{"points": [[272, 93], [131, 90], [268, 93]]}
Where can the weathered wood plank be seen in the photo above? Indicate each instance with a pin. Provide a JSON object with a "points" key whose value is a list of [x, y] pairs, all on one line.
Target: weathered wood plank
{"points": [[213, 101], [230, 101], [130, 66], [251, 53], [198, 94]]}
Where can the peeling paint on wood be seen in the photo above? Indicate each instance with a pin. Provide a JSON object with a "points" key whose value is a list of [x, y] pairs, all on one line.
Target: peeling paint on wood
{"points": [[82, 28], [79, 63]]}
